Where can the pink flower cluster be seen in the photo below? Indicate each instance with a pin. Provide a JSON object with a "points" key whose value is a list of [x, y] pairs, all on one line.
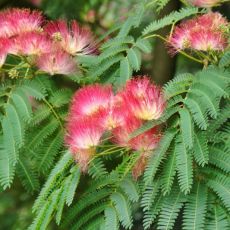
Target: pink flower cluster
{"points": [[207, 32], [96, 111], [52, 45], [204, 3]]}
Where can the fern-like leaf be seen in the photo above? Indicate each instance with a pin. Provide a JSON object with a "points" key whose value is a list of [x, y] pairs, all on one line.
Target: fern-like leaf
{"points": [[158, 155], [196, 208], [111, 220], [170, 209], [184, 166], [200, 150], [123, 209]]}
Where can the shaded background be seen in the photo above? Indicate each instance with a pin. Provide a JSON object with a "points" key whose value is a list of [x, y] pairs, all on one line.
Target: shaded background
{"points": [[99, 15]]}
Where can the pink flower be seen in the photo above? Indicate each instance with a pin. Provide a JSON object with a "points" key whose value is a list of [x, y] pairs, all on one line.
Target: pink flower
{"points": [[180, 38], [91, 99], [207, 32], [144, 99], [207, 40], [73, 39], [83, 136], [121, 134], [214, 21], [144, 142], [16, 21], [204, 3], [5, 46], [32, 43], [56, 62], [147, 141]]}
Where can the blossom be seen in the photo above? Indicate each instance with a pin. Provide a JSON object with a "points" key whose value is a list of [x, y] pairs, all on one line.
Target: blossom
{"points": [[144, 142], [121, 134], [5, 46], [144, 99], [16, 21], [140, 166], [56, 62], [207, 32], [32, 43], [180, 38], [91, 99], [204, 3], [83, 135], [212, 20], [207, 40], [73, 39]]}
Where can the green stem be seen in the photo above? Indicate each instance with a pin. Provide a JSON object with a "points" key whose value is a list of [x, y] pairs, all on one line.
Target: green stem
{"points": [[179, 51], [54, 112]]}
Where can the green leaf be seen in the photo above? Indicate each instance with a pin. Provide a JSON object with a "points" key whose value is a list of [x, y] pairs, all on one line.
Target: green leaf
{"points": [[184, 165], [158, 155], [111, 221], [123, 209], [21, 103], [73, 185], [200, 149], [134, 58], [125, 71], [48, 151], [186, 126], [15, 124], [171, 207], [27, 174], [199, 117], [149, 195], [130, 189], [144, 45], [7, 168], [217, 218], [225, 60], [170, 19], [196, 208], [151, 214], [169, 173], [221, 186], [220, 158]]}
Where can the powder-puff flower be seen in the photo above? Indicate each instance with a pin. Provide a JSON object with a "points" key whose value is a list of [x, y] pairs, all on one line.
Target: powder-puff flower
{"points": [[207, 32], [5, 46], [83, 135], [144, 99], [146, 141], [32, 43], [214, 21], [121, 134], [206, 40], [180, 38], [73, 39], [56, 62], [204, 3], [16, 21], [91, 99]]}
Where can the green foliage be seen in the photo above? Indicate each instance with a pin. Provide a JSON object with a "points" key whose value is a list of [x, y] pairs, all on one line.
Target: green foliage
{"points": [[196, 208], [172, 18], [186, 180]]}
